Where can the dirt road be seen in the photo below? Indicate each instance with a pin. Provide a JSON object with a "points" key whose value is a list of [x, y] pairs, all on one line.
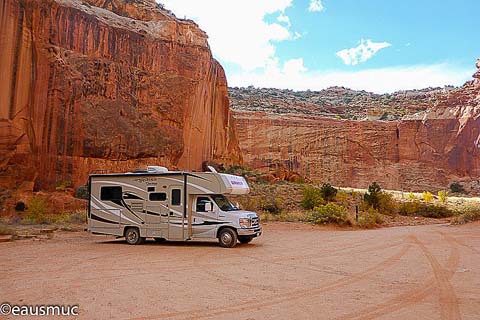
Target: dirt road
{"points": [[293, 271]]}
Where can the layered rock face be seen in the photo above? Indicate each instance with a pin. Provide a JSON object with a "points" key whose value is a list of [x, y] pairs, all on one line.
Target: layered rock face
{"points": [[107, 85], [427, 151]]}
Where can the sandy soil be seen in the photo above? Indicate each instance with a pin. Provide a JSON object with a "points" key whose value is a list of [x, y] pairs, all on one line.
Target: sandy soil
{"points": [[293, 271]]}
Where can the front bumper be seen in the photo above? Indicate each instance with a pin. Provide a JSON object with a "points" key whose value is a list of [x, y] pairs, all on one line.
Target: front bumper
{"points": [[254, 231]]}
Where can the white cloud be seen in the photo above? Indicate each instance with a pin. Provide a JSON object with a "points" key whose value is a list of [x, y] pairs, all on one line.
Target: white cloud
{"points": [[293, 67], [285, 19], [316, 6], [237, 31], [364, 51], [295, 76]]}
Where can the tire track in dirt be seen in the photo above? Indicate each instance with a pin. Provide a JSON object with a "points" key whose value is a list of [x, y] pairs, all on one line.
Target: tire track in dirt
{"points": [[448, 300], [459, 242], [411, 297], [282, 298]]}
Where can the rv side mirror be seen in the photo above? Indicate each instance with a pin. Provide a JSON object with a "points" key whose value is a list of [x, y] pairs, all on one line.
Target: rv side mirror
{"points": [[208, 206]]}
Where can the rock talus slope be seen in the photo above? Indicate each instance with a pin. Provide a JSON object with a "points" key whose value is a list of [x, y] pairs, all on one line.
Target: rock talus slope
{"points": [[427, 151], [106, 84]]}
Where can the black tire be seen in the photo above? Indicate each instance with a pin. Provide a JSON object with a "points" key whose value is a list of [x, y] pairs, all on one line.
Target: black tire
{"points": [[160, 240], [245, 239], [227, 238], [132, 236]]}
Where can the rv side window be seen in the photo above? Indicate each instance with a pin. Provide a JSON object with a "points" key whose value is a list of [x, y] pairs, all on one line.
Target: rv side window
{"points": [[111, 193], [176, 197], [157, 196]]}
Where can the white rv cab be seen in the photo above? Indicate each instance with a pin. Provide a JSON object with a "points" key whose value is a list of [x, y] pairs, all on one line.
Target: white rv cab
{"points": [[170, 205]]}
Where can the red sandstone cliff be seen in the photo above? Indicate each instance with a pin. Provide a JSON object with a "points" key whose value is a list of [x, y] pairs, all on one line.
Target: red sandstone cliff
{"points": [[106, 84], [426, 152]]}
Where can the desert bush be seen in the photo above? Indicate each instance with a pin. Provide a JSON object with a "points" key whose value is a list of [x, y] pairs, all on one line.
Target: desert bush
{"points": [[81, 192], [272, 205], [467, 213], [36, 211], [411, 196], [67, 217], [370, 218], [457, 188], [64, 185], [4, 230], [427, 196], [372, 196], [416, 208], [329, 213], [249, 204], [328, 192], [312, 197], [343, 198], [442, 196], [387, 204], [20, 206]]}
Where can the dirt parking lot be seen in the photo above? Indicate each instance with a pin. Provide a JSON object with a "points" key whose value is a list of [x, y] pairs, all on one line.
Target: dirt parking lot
{"points": [[293, 271]]}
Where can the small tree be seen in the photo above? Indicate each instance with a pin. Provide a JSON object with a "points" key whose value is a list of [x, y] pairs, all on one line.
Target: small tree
{"points": [[427, 196], [372, 197], [328, 192], [442, 196], [457, 188]]}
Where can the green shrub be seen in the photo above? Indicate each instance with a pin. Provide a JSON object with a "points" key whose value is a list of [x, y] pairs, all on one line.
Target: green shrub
{"points": [[63, 186], [457, 188], [370, 219], [372, 196], [328, 192], [272, 205], [20, 206], [329, 213], [343, 198], [36, 210], [67, 217], [387, 204], [467, 213], [312, 197], [416, 208], [81, 192], [4, 230]]}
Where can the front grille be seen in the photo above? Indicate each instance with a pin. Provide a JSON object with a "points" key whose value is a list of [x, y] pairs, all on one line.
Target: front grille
{"points": [[255, 222]]}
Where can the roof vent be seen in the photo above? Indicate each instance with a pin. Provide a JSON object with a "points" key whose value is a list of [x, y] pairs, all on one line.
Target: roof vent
{"points": [[156, 169]]}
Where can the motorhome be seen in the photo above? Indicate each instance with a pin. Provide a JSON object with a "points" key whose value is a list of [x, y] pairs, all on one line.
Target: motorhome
{"points": [[170, 205]]}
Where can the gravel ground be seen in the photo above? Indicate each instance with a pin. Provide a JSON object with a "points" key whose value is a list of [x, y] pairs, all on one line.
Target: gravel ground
{"points": [[294, 271]]}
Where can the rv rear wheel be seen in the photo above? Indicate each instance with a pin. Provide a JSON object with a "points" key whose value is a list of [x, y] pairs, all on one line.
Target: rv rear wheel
{"points": [[227, 238], [132, 236]]}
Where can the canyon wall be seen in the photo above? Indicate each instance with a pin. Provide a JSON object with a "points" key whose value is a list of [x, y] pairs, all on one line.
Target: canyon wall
{"points": [[427, 151], [109, 85]]}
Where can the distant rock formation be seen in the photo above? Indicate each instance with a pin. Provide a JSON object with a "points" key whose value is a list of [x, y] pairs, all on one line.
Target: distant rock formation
{"points": [[424, 151], [107, 85]]}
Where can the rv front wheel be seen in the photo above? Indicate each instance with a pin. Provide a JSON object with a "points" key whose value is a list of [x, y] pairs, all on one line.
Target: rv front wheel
{"points": [[132, 236], [227, 238]]}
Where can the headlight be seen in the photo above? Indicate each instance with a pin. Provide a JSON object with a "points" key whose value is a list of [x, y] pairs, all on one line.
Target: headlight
{"points": [[245, 222]]}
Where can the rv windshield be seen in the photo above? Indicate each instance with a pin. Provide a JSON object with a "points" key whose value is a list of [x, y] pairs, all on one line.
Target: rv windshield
{"points": [[223, 203]]}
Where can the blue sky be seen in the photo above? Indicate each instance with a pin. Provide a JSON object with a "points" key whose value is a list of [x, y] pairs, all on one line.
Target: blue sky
{"points": [[375, 45]]}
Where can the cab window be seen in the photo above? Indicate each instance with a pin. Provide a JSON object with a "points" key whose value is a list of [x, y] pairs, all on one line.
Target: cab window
{"points": [[201, 203]]}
